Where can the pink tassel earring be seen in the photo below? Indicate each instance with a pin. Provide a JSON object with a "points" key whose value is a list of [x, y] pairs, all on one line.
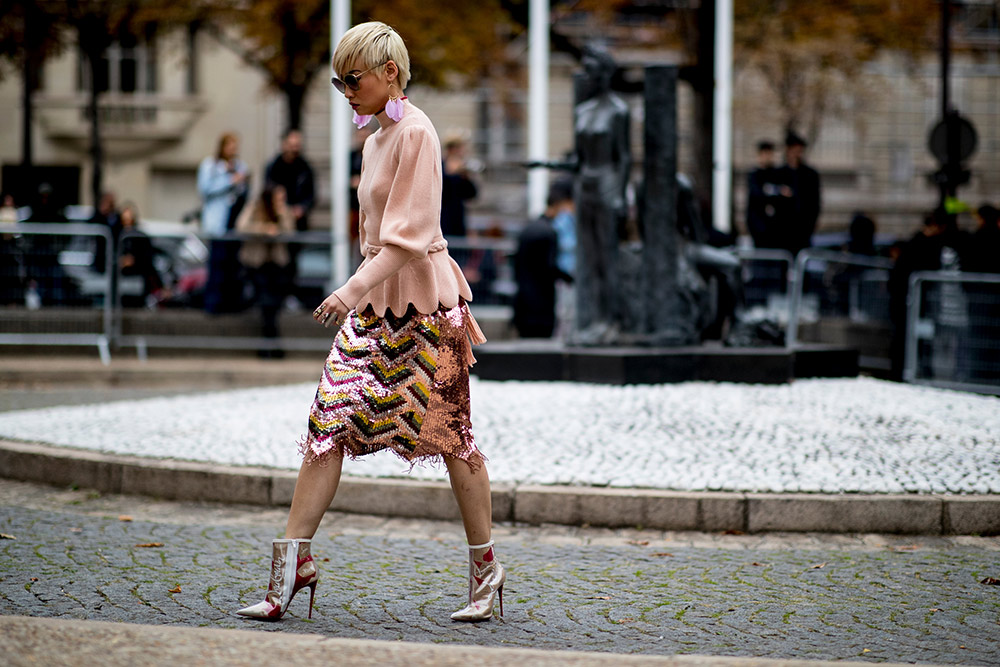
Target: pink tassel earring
{"points": [[394, 108], [361, 121]]}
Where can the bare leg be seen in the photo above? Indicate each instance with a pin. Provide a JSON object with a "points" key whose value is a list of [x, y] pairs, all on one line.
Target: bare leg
{"points": [[314, 491], [472, 491]]}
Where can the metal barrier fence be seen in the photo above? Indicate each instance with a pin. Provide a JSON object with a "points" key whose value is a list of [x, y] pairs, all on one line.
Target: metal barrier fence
{"points": [[185, 269], [765, 274], [843, 284], [953, 331], [56, 285]]}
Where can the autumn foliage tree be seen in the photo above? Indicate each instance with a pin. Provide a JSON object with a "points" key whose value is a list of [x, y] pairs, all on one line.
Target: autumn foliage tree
{"points": [[289, 40], [802, 48]]}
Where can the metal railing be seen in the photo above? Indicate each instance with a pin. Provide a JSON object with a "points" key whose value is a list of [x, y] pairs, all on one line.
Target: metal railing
{"points": [[953, 331], [765, 274], [48, 269], [856, 299], [484, 261]]}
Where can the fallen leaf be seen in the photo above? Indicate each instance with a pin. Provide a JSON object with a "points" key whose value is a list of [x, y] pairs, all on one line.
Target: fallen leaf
{"points": [[147, 545], [76, 530], [733, 532], [627, 620], [5, 536], [755, 563], [935, 609], [639, 543], [662, 554], [34, 578], [598, 597], [124, 517], [326, 560], [817, 566], [991, 581], [175, 589], [866, 650]]}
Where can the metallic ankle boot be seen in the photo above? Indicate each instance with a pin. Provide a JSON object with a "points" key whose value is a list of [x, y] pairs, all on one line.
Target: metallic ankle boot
{"points": [[292, 569], [486, 580]]}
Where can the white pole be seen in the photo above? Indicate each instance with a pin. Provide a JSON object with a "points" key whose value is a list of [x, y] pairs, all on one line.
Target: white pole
{"points": [[722, 151], [340, 152], [538, 104]]}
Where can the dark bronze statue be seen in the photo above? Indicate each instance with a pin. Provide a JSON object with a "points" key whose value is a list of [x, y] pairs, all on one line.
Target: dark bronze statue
{"points": [[603, 162], [666, 287]]}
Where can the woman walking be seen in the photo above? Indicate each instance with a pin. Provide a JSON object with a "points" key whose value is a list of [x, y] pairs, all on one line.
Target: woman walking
{"points": [[397, 376]]}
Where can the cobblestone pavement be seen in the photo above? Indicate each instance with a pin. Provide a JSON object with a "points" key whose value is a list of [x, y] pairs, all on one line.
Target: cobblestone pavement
{"points": [[873, 598]]}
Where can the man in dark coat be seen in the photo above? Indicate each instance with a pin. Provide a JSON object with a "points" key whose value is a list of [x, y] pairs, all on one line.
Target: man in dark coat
{"points": [[291, 171], [799, 205], [762, 198], [536, 271], [939, 245]]}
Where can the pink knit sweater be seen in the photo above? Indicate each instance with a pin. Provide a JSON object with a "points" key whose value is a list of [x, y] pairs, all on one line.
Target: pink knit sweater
{"points": [[405, 256]]}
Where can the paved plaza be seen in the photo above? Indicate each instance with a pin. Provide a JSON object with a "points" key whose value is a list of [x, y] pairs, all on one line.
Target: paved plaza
{"points": [[79, 555]]}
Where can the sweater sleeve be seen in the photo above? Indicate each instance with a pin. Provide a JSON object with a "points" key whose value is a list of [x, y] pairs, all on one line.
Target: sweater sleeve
{"points": [[390, 260], [412, 216]]}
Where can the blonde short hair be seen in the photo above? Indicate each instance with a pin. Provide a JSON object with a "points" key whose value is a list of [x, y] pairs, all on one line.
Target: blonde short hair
{"points": [[372, 44]]}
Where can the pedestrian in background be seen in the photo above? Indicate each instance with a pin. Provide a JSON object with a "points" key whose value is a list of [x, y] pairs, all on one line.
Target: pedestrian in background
{"points": [[223, 180], [537, 269], [135, 258], [799, 205], [457, 186], [397, 376], [984, 298], [762, 202], [984, 251], [8, 208], [106, 215], [939, 246], [267, 259], [292, 172]]}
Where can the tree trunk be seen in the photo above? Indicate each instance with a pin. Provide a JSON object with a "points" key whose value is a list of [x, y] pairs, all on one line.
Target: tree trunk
{"points": [[28, 79], [96, 149], [295, 99]]}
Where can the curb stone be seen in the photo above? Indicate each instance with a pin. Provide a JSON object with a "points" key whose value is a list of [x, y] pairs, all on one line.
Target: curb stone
{"points": [[58, 642], [533, 504]]}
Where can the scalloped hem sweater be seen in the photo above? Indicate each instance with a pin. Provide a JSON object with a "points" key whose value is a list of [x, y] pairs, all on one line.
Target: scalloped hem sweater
{"points": [[406, 257]]}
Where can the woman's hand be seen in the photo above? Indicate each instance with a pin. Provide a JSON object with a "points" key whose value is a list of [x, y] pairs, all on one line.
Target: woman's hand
{"points": [[331, 311]]}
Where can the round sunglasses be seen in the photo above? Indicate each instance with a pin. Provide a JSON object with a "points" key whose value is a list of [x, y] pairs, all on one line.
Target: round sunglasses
{"points": [[351, 80]]}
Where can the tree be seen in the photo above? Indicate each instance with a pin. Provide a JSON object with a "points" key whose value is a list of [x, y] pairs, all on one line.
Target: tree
{"points": [[289, 40], [801, 48], [28, 37], [31, 32]]}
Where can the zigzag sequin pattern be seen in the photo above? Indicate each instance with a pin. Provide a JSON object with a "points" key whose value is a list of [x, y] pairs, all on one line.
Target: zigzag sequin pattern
{"points": [[378, 383]]}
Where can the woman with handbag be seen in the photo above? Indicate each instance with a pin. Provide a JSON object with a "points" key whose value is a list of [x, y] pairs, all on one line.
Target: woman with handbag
{"points": [[397, 376]]}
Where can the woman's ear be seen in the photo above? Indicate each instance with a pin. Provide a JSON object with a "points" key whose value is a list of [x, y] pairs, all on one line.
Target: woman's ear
{"points": [[391, 71]]}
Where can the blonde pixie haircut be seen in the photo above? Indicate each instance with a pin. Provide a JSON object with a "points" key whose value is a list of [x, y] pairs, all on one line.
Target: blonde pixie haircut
{"points": [[372, 44]]}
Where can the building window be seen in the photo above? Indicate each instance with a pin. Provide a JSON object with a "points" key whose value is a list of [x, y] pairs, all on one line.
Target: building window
{"points": [[127, 66]]}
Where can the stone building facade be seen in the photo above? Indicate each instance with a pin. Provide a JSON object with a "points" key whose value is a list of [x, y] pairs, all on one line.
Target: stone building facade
{"points": [[169, 100]]}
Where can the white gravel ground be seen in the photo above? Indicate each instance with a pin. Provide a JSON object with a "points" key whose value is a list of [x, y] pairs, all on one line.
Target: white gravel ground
{"points": [[854, 435]]}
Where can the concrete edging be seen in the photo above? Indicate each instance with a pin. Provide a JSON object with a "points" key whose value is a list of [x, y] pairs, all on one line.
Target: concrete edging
{"points": [[532, 504]]}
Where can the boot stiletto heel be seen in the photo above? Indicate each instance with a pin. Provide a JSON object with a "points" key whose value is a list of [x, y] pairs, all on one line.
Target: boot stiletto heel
{"points": [[486, 580], [292, 569]]}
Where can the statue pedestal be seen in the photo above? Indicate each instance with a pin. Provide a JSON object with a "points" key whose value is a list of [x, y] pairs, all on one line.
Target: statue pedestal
{"points": [[546, 360]]}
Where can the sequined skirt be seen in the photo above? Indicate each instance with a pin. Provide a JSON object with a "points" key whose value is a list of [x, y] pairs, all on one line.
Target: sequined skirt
{"points": [[396, 383]]}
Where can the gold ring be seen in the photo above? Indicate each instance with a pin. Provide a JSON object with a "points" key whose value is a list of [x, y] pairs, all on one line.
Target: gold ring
{"points": [[326, 316]]}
